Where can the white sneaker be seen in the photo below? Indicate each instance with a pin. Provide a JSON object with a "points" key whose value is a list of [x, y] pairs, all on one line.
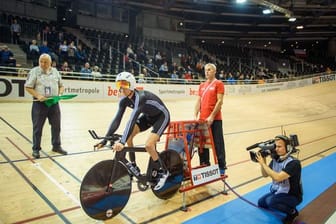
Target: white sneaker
{"points": [[162, 180]]}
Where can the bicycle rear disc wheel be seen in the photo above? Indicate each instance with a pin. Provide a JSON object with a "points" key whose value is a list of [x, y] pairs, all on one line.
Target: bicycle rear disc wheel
{"points": [[174, 164], [105, 190]]}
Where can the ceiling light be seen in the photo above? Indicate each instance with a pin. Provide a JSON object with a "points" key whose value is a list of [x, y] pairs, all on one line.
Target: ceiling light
{"points": [[299, 27], [292, 19], [240, 1], [267, 11]]}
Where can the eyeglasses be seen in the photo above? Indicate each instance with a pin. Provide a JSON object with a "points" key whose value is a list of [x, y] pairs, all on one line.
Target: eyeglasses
{"points": [[123, 84]]}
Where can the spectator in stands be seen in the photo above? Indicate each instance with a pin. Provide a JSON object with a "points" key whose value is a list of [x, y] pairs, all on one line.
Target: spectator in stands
{"points": [[222, 75], [33, 48], [247, 79], [275, 78], [150, 64], [240, 80], [34, 52], [44, 49], [188, 76], [63, 51], [135, 63], [129, 51], [86, 71], [200, 65], [22, 72], [80, 54], [189, 69], [141, 78], [163, 70], [142, 54], [65, 67], [174, 77], [158, 59], [230, 79], [128, 62], [147, 76], [72, 53], [96, 73], [173, 67], [7, 57], [15, 31]]}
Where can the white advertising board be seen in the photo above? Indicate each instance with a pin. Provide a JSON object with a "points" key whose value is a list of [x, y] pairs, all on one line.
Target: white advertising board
{"points": [[12, 88]]}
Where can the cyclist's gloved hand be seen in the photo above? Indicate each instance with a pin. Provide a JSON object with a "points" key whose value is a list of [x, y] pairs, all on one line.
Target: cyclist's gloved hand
{"points": [[100, 145], [118, 146]]}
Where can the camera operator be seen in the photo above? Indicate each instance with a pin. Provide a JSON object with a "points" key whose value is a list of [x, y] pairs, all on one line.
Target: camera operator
{"points": [[285, 171]]}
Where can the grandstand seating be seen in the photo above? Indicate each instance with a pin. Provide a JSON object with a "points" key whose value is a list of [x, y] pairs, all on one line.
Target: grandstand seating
{"points": [[107, 51]]}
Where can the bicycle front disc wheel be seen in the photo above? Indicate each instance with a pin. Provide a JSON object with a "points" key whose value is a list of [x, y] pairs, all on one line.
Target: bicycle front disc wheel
{"points": [[105, 190]]}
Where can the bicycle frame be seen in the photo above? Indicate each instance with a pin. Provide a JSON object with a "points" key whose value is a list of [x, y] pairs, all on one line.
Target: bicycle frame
{"points": [[106, 187]]}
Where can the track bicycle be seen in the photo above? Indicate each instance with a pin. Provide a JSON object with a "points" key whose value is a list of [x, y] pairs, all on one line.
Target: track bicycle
{"points": [[107, 186]]}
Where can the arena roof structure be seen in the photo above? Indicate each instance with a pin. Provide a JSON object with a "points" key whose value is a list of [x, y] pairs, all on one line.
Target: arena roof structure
{"points": [[227, 19]]}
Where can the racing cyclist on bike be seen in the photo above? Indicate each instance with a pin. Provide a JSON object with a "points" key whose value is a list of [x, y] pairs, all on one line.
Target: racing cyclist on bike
{"points": [[148, 111]]}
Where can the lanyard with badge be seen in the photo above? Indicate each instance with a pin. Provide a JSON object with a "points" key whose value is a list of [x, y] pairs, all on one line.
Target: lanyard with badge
{"points": [[46, 81], [208, 87]]}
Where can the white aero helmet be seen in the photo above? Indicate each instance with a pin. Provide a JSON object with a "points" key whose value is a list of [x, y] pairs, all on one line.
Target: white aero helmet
{"points": [[125, 80]]}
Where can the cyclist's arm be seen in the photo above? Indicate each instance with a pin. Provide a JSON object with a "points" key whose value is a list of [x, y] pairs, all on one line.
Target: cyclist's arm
{"points": [[117, 119], [130, 125], [139, 103]]}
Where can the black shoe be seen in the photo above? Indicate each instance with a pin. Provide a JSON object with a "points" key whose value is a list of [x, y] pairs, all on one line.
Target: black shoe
{"points": [[36, 154], [290, 218], [60, 150]]}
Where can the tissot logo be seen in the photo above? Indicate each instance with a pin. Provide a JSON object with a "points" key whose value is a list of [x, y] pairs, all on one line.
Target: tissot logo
{"points": [[198, 177], [206, 174]]}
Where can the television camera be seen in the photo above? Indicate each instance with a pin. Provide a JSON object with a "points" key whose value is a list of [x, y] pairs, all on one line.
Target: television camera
{"points": [[267, 148]]}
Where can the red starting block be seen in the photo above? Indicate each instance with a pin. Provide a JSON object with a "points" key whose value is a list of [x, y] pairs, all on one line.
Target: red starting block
{"points": [[186, 137]]}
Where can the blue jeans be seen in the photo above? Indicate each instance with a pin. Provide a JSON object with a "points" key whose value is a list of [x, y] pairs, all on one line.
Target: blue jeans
{"points": [[281, 202]]}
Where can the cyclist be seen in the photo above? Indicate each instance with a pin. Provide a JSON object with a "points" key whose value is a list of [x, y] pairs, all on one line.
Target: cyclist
{"points": [[148, 111]]}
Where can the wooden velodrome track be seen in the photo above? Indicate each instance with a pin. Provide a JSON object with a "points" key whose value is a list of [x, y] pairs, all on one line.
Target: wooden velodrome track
{"points": [[46, 190]]}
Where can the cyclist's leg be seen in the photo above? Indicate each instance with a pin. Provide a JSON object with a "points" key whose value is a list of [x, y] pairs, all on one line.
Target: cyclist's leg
{"points": [[158, 164], [160, 123], [153, 138], [129, 142]]}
